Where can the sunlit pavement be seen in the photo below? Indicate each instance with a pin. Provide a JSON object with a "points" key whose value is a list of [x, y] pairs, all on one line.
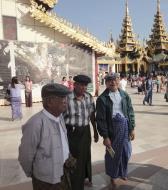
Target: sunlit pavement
{"points": [[148, 167]]}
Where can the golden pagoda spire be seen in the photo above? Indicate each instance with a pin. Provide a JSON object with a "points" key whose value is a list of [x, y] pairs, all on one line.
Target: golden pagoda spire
{"points": [[127, 40], [158, 39], [110, 43], [127, 10], [158, 6], [128, 47], [111, 37]]}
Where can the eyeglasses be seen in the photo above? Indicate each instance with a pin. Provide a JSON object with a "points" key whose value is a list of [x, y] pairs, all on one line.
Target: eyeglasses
{"points": [[58, 98]]}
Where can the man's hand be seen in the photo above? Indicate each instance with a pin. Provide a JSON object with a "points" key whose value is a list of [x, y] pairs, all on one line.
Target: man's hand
{"points": [[132, 135], [107, 142], [96, 136]]}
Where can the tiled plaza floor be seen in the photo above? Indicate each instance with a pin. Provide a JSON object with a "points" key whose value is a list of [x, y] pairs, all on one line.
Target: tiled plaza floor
{"points": [[148, 167]]}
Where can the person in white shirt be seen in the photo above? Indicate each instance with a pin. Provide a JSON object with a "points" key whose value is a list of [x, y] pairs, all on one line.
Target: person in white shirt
{"points": [[44, 144], [115, 122], [15, 98], [123, 83]]}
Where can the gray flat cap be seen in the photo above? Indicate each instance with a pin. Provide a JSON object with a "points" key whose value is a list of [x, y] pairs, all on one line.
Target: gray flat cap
{"points": [[54, 89], [83, 79], [112, 76]]}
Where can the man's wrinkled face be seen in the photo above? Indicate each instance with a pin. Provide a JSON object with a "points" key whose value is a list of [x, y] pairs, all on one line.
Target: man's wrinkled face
{"points": [[57, 105], [113, 84], [80, 88]]}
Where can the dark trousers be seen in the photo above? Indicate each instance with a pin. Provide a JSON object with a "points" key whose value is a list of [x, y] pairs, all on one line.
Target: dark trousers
{"points": [[148, 97], [41, 185], [28, 99], [79, 144]]}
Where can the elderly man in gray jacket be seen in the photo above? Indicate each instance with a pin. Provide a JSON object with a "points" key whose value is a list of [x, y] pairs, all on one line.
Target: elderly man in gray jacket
{"points": [[44, 146]]}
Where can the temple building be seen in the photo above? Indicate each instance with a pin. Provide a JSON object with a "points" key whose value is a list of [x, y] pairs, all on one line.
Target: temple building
{"points": [[157, 45], [128, 54], [128, 47], [107, 63], [35, 41]]}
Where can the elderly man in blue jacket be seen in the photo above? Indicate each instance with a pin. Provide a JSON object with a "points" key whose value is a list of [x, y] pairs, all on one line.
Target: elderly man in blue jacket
{"points": [[115, 123]]}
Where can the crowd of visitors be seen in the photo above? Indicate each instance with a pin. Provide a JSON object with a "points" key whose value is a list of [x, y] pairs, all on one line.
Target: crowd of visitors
{"points": [[149, 84], [68, 83], [55, 149], [146, 84], [14, 95], [60, 134]]}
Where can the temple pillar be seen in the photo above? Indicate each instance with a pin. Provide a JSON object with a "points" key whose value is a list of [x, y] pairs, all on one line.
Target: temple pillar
{"points": [[136, 67], [126, 68], [113, 68], [118, 68], [133, 68], [95, 74], [12, 59]]}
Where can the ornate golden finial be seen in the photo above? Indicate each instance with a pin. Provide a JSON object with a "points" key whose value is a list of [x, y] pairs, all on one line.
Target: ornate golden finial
{"points": [[158, 5], [127, 10], [111, 36]]}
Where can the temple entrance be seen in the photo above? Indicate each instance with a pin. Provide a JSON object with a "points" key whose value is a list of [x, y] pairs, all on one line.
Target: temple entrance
{"points": [[130, 69], [123, 70], [141, 70]]}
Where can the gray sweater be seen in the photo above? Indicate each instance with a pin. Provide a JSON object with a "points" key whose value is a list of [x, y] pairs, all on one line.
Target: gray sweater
{"points": [[40, 151]]}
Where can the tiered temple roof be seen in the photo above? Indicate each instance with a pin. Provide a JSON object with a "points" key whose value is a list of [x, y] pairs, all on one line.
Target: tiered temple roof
{"points": [[127, 42], [110, 43], [158, 42], [128, 48], [51, 20]]}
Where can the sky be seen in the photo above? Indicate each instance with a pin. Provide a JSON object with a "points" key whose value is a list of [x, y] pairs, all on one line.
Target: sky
{"points": [[101, 17]]}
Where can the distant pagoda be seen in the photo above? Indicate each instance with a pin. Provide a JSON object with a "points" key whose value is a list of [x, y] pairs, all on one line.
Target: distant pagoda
{"points": [[128, 47], [158, 42], [110, 43], [157, 46]]}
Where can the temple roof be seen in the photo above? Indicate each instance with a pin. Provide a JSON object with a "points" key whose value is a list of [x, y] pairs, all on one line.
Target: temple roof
{"points": [[159, 37], [50, 3], [128, 47], [110, 43], [51, 20], [127, 42]]}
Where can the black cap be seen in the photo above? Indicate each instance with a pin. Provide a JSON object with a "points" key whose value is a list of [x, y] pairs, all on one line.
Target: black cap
{"points": [[112, 76], [54, 89], [83, 79]]}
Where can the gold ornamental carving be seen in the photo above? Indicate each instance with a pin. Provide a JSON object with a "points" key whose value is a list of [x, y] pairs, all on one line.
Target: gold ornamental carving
{"points": [[50, 3], [51, 20]]}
